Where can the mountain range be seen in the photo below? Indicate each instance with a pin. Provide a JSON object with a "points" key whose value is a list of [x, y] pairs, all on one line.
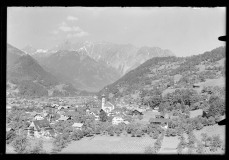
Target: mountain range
{"points": [[164, 73], [30, 78], [92, 65]]}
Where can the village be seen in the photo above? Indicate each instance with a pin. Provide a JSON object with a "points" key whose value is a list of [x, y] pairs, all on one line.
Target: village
{"points": [[79, 113]]}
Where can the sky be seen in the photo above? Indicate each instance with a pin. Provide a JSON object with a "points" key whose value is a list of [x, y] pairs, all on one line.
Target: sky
{"points": [[183, 30]]}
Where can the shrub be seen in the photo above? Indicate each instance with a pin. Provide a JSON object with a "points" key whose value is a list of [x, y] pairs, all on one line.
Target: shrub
{"points": [[77, 135], [155, 135], [204, 121], [204, 138], [215, 143], [199, 126], [20, 143], [139, 133], [208, 141], [211, 120], [149, 150], [168, 132], [10, 136], [179, 148], [173, 132], [37, 148], [200, 148]]}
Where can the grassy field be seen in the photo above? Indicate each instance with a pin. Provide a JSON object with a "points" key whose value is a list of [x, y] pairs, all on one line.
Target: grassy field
{"points": [[169, 145], [212, 130], [107, 144]]}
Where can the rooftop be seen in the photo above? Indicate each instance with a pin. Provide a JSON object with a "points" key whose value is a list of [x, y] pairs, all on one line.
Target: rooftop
{"points": [[77, 125]]}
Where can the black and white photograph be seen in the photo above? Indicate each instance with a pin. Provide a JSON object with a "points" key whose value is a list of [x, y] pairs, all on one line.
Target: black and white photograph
{"points": [[115, 80]]}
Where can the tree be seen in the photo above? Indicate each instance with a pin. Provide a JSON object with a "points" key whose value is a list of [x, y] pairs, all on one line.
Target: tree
{"points": [[179, 148], [208, 141], [149, 150], [215, 143], [110, 130], [173, 132], [10, 136], [204, 138], [211, 120], [103, 116], [200, 148], [199, 126], [20, 143], [37, 148], [139, 132], [155, 135]]}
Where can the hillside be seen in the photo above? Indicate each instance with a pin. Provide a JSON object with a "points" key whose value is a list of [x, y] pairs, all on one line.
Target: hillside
{"points": [[122, 57], [79, 69], [160, 73], [106, 62], [28, 76]]}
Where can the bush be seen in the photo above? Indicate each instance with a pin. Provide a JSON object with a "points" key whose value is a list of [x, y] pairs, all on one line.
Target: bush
{"points": [[179, 148], [211, 120], [155, 135], [37, 148], [173, 132], [204, 138], [199, 126], [139, 133], [10, 136], [77, 135], [149, 150], [61, 142], [20, 143], [168, 132], [215, 143], [204, 121], [200, 148]]}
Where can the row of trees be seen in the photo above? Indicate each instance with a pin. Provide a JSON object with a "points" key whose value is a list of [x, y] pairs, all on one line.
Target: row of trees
{"points": [[22, 144], [211, 143]]}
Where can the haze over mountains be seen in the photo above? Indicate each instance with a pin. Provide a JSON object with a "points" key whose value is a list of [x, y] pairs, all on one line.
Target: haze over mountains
{"points": [[92, 65]]}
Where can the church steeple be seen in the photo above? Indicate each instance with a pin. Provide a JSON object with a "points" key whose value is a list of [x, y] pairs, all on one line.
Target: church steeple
{"points": [[103, 101]]}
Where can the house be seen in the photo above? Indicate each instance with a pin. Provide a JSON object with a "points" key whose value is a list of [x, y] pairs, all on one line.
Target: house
{"points": [[157, 115], [38, 117], [96, 118], [156, 109], [137, 112], [8, 107], [160, 121], [117, 120], [126, 122], [63, 118], [196, 85], [77, 126], [61, 107], [196, 113], [40, 128], [106, 106]]}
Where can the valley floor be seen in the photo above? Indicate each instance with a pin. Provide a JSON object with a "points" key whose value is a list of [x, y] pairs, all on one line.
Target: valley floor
{"points": [[134, 145], [106, 144]]}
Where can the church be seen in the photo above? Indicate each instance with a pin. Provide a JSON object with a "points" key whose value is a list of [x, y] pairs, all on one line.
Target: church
{"points": [[106, 106]]}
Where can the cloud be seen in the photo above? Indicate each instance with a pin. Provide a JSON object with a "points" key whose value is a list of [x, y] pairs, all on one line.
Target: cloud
{"points": [[73, 31], [72, 18]]}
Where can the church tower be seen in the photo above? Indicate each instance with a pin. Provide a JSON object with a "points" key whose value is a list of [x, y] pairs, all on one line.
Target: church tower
{"points": [[103, 102]]}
